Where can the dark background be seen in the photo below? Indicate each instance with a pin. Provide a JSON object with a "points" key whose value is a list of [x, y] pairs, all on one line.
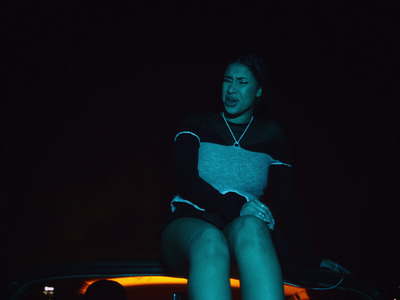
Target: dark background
{"points": [[93, 94]]}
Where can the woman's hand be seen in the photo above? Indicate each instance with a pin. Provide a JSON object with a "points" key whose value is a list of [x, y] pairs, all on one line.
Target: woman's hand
{"points": [[259, 210], [331, 265]]}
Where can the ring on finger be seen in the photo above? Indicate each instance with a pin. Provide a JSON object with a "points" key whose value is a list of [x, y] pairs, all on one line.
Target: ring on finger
{"points": [[261, 214]]}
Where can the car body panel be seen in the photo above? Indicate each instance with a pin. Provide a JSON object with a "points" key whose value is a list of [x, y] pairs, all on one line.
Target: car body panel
{"points": [[147, 279]]}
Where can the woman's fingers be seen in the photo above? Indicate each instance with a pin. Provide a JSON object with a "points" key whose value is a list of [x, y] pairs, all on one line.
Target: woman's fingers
{"points": [[265, 211], [259, 210]]}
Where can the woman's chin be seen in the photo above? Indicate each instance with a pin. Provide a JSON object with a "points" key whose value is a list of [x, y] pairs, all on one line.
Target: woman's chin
{"points": [[231, 111], [237, 114]]}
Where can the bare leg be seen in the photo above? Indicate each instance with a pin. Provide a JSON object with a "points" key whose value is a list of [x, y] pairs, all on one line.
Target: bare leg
{"points": [[197, 250], [251, 245]]}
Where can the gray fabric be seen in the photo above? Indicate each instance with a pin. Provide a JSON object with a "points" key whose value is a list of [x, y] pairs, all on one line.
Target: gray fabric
{"points": [[233, 169]]}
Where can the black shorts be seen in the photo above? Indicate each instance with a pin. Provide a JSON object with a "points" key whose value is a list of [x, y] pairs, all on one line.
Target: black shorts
{"points": [[184, 210]]}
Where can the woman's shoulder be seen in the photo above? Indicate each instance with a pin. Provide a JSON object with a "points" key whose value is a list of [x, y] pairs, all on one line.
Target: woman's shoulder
{"points": [[269, 127]]}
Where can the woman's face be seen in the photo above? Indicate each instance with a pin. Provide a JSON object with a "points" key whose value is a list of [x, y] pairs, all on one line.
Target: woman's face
{"points": [[240, 90]]}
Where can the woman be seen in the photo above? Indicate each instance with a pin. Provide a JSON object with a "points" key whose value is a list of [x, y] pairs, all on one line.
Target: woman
{"points": [[221, 213]]}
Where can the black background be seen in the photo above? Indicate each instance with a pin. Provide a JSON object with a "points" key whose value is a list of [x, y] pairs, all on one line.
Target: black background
{"points": [[93, 94]]}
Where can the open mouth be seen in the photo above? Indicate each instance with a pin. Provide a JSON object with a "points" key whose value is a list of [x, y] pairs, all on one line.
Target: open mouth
{"points": [[231, 102]]}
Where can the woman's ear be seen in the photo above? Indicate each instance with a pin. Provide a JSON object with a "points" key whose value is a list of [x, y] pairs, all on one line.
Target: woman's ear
{"points": [[259, 92]]}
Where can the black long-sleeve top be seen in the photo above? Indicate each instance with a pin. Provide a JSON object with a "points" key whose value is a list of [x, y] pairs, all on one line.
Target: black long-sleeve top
{"points": [[215, 178]]}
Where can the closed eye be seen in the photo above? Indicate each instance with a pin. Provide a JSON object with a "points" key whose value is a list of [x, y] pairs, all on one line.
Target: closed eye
{"points": [[227, 79]]}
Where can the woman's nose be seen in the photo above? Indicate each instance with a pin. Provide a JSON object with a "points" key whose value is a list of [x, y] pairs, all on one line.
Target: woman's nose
{"points": [[231, 89]]}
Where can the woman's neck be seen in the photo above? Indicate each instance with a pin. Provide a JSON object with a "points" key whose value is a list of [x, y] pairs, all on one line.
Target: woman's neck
{"points": [[238, 119]]}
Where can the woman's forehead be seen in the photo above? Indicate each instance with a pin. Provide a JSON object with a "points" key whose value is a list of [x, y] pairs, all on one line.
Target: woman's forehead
{"points": [[238, 70]]}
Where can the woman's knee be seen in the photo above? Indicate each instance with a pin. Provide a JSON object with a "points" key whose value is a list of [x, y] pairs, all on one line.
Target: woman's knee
{"points": [[209, 243], [189, 239], [248, 231]]}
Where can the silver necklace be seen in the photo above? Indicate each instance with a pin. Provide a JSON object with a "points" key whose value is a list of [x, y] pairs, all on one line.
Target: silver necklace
{"points": [[236, 144]]}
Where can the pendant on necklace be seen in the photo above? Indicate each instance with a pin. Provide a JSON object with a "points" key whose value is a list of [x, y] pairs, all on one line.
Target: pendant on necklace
{"points": [[236, 144]]}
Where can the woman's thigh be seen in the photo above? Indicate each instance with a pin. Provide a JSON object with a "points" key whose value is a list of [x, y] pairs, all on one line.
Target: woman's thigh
{"points": [[185, 239]]}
